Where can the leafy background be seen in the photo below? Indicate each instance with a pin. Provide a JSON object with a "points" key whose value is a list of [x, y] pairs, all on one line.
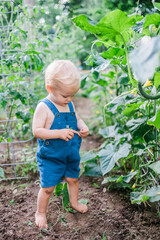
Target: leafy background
{"points": [[118, 43]]}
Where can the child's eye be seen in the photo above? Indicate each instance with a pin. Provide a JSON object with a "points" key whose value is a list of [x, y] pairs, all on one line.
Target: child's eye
{"points": [[64, 96]]}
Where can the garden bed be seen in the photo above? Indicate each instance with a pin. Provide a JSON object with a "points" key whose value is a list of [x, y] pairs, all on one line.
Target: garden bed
{"points": [[110, 215]]}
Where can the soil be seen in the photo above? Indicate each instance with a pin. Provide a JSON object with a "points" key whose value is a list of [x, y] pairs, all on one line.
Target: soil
{"points": [[110, 215]]}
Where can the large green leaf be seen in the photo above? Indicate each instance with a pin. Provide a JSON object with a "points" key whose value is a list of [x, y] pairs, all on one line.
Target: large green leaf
{"points": [[119, 21], [88, 156], [153, 194], [155, 167], [140, 129], [155, 121], [152, 19], [111, 154], [108, 131], [138, 197], [92, 169], [135, 124], [157, 79], [145, 59], [113, 52], [114, 26], [87, 24], [130, 108], [121, 178], [114, 132], [157, 5], [119, 102]]}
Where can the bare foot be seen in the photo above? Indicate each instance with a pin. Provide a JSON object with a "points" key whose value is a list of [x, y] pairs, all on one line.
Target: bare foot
{"points": [[41, 220], [82, 208]]}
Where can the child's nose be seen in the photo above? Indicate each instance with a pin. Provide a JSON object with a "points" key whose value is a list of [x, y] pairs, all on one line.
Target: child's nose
{"points": [[69, 99]]}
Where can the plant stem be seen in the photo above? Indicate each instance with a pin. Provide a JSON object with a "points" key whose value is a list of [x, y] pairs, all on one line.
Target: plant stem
{"points": [[128, 66]]}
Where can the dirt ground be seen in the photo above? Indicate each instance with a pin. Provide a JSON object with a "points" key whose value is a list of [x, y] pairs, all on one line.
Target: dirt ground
{"points": [[110, 215]]}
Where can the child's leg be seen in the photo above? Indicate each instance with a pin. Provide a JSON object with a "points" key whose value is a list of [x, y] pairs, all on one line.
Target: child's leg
{"points": [[42, 203], [73, 187]]}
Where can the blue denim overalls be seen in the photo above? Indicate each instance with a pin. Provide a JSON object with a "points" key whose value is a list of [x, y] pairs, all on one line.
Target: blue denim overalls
{"points": [[58, 158]]}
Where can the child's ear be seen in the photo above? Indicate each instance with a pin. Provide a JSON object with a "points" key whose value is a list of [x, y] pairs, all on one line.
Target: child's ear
{"points": [[49, 88]]}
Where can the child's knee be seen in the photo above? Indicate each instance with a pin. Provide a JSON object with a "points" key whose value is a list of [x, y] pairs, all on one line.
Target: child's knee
{"points": [[48, 190], [71, 180]]}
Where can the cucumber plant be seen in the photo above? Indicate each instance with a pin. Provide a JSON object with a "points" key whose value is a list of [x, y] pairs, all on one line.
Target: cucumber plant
{"points": [[130, 118]]}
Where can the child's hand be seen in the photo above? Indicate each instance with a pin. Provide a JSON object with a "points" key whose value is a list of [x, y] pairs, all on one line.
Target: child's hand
{"points": [[84, 132], [67, 134]]}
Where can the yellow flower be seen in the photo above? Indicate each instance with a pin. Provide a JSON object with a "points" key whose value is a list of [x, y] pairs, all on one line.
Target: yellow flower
{"points": [[148, 83], [153, 28], [111, 92], [135, 94], [97, 112], [132, 170], [134, 185]]}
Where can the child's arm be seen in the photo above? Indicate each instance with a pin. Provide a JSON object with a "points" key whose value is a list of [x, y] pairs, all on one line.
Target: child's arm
{"points": [[84, 130], [82, 127], [39, 130]]}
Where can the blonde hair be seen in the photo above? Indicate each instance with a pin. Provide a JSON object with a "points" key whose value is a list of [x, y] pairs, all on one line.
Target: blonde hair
{"points": [[62, 71]]}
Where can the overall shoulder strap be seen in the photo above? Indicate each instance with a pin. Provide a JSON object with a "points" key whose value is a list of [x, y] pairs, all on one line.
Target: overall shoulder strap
{"points": [[51, 106], [70, 104]]}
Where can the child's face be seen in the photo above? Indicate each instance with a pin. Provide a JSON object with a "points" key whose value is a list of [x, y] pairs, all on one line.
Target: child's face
{"points": [[62, 95]]}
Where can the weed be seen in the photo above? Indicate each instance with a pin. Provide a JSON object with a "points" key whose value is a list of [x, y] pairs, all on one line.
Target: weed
{"points": [[29, 223], [62, 219], [96, 185], [12, 203]]}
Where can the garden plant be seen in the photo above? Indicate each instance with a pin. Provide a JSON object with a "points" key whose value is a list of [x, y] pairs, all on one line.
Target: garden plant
{"points": [[116, 46], [126, 79]]}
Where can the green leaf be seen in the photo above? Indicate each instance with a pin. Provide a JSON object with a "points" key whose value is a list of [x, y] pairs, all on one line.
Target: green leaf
{"points": [[145, 59], [157, 5], [29, 223], [157, 79], [110, 179], [65, 196], [88, 156], [121, 21], [131, 108], [118, 102], [155, 121], [114, 26], [153, 194], [155, 167], [139, 129], [138, 197], [58, 190], [92, 169], [135, 124], [108, 132], [2, 173], [151, 19], [102, 82], [128, 177], [113, 52], [121, 178], [86, 24], [111, 154]]}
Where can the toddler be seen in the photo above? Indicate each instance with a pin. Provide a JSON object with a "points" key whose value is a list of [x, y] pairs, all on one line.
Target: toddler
{"points": [[56, 125]]}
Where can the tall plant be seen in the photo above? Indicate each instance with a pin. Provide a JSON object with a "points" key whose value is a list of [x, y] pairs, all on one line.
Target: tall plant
{"points": [[129, 154]]}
